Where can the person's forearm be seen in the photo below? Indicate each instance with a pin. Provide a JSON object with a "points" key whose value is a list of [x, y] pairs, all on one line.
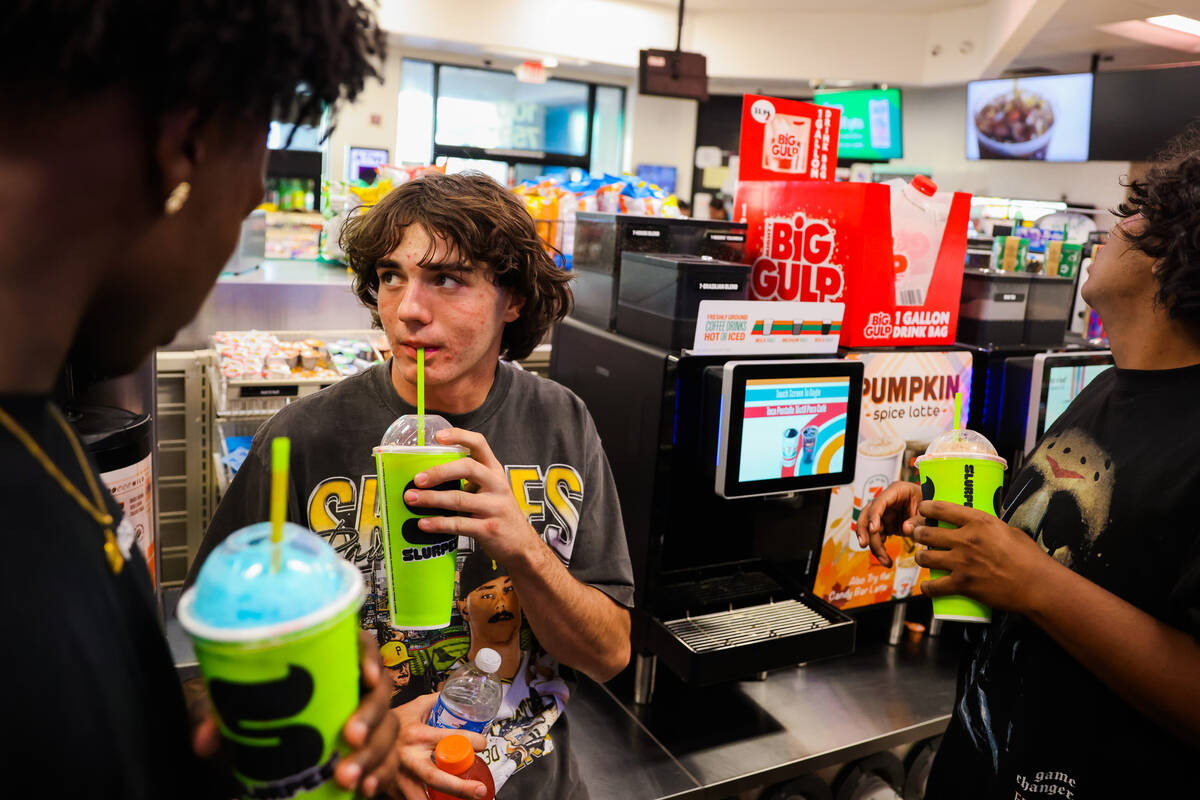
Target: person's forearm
{"points": [[1149, 664], [577, 624]]}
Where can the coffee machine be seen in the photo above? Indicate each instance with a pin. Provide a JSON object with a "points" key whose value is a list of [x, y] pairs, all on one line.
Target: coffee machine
{"points": [[719, 463]]}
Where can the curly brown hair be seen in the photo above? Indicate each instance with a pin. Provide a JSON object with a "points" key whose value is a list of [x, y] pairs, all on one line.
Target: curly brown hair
{"points": [[485, 224], [1169, 201]]}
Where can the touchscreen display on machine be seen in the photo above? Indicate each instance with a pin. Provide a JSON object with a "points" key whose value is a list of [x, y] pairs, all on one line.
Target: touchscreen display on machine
{"points": [[1057, 380], [1064, 385], [784, 425], [793, 426]]}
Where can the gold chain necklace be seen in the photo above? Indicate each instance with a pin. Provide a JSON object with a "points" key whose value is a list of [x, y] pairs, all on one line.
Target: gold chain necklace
{"points": [[96, 509]]}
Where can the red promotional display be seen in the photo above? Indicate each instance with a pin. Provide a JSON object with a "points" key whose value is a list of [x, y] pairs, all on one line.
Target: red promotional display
{"points": [[787, 140], [814, 240], [818, 241]]}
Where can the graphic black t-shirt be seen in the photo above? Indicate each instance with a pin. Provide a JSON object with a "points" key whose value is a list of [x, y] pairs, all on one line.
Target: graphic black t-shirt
{"points": [[1111, 492], [90, 701]]}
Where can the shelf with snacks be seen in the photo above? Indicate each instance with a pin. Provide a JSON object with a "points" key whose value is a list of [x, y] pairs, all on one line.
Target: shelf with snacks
{"points": [[256, 373]]}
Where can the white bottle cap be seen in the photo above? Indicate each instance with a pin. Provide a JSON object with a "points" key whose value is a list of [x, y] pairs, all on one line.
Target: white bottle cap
{"points": [[487, 660]]}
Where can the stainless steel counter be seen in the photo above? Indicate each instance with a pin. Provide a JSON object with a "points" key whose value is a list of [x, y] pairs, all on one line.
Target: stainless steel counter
{"points": [[799, 720], [715, 742], [617, 756]]}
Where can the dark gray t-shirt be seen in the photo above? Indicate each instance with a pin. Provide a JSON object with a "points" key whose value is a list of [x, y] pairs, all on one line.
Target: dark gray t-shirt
{"points": [[545, 438]]}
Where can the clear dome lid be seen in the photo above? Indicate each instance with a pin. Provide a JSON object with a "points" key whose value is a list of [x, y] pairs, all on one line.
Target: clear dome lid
{"points": [[405, 432], [962, 443], [236, 588]]}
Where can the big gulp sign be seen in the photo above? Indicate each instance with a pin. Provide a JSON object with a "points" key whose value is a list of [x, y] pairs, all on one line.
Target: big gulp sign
{"points": [[797, 261], [908, 324], [820, 241], [813, 240]]}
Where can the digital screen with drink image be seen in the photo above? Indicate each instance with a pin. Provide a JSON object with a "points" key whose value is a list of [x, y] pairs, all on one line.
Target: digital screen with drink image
{"points": [[793, 427], [870, 129], [1046, 118]]}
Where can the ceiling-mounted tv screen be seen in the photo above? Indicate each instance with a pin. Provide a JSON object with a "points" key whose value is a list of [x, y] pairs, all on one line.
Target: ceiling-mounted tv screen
{"points": [[1134, 114], [871, 128], [673, 73], [1046, 118]]}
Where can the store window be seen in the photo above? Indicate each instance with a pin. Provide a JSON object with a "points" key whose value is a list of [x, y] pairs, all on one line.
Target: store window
{"points": [[608, 126], [487, 120], [493, 110], [414, 128], [288, 136]]}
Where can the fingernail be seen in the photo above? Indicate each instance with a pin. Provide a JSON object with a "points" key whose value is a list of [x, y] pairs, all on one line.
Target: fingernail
{"points": [[419, 479], [357, 730], [370, 785], [480, 791], [353, 772], [410, 497], [371, 669]]}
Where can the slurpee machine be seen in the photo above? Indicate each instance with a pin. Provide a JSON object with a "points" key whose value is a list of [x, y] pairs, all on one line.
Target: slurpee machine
{"points": [[720, 462]]}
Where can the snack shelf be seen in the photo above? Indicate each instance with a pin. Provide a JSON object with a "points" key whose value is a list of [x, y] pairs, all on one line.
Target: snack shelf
{"points": [[255, 396]]}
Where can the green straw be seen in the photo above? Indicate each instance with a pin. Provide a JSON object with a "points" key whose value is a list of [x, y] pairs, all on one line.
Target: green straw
{"points": [[421, 396], [281, 450], [957, 410]]}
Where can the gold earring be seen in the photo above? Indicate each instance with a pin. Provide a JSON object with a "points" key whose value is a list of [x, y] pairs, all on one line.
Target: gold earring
{"points": [[177, 198]]}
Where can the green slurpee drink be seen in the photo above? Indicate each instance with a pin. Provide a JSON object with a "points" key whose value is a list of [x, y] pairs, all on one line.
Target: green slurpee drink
{"points": [[420, 565], [962, 467], [278, 649]]}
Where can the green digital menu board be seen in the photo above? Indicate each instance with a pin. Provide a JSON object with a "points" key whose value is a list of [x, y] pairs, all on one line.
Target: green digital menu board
{"points": [[871, 123]]}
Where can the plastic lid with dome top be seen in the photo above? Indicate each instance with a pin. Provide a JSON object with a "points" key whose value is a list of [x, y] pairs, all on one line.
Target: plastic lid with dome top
{"points": [[962, 443]]}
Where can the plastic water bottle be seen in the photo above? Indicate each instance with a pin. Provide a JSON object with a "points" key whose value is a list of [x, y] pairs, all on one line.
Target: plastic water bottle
{"points": [[471, 696], [916, 238]]}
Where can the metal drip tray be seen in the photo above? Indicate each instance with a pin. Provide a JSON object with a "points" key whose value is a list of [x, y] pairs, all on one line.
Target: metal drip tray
{"points": [[725, 645], [745, 626]]}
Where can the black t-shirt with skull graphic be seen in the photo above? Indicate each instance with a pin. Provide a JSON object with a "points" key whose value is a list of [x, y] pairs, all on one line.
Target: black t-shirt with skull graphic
{"points": [[1110, 492]]}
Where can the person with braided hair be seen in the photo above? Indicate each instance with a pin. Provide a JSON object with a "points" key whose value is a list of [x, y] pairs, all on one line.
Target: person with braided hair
{"points": [[133, 146]]}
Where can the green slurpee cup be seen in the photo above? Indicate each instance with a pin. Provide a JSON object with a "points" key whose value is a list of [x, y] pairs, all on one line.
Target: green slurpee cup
{"points": [[961, 467], [278, 649], [420, 565]]}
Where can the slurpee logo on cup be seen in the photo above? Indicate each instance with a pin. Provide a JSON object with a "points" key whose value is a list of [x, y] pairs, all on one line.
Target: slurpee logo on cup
{"points": [[419, 565], [273, 616], [962, 467], [279, 654]]}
